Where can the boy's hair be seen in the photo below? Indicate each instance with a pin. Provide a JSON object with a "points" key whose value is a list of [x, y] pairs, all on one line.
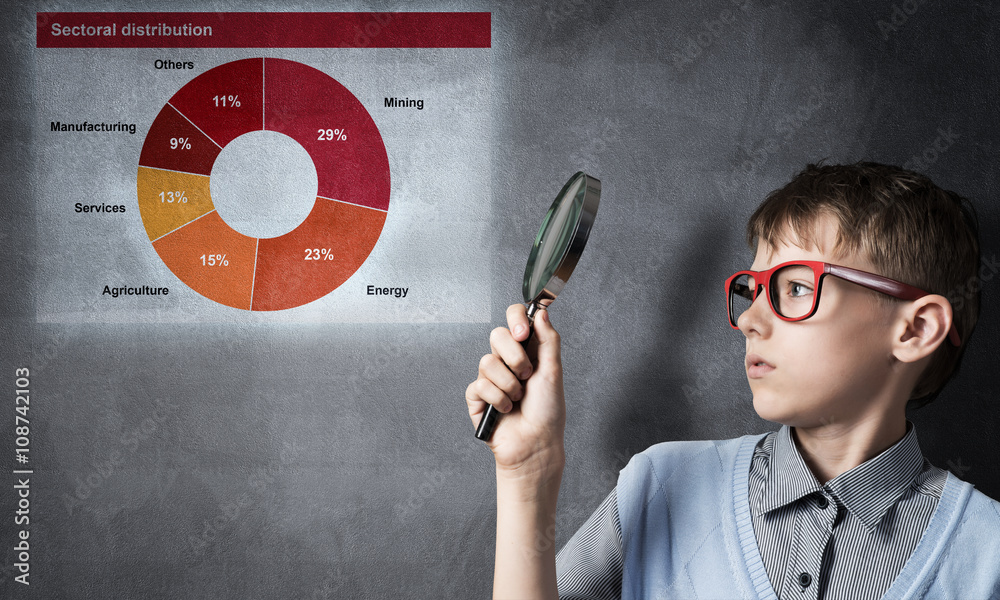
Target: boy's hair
{"points": [[908, 228]]}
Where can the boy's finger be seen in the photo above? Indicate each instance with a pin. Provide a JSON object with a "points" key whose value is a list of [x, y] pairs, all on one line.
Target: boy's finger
{"points": [[493, 369], [517, 321], [510, 352], [482, 390]]}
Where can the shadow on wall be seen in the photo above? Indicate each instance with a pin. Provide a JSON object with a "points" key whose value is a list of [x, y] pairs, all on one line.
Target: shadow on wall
{"points": [[657, 399], [957, 431]]}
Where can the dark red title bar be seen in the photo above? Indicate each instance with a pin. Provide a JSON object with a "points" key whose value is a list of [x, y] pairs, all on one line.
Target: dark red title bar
{"points": [[263, 30]]}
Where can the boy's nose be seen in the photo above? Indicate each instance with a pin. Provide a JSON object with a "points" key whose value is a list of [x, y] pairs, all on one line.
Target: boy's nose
{"points": [[757, 318]]}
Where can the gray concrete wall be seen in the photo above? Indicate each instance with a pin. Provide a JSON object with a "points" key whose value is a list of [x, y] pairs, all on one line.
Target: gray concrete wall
{"points": [[239, 457]]}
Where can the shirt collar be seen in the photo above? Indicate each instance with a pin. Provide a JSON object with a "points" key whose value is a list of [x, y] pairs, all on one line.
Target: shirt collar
{"points": [[868, 491], [788, 478]]}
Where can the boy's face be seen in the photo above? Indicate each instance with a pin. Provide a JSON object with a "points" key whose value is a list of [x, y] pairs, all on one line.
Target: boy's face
{"points": [[831, 367]]}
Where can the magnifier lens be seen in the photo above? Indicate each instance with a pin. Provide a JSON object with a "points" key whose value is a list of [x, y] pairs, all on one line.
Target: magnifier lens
{"points": [[554, 238]]}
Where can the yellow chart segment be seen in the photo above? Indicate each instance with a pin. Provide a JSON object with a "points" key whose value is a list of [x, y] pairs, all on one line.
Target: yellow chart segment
{"points": [[169, 199]]}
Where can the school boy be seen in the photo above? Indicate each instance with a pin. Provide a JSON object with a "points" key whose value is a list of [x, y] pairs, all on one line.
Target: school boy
{"points": [[858, 303]]}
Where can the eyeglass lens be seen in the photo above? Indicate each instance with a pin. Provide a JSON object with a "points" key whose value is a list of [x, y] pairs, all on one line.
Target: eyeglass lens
{"points": [[792, 291]]}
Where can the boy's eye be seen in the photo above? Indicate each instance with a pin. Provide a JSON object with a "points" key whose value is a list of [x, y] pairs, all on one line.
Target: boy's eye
{"points": [[796, 289]]}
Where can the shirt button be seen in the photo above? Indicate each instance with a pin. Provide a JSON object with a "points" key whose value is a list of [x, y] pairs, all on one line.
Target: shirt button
{"points": [[823, 502], [805, 579]]}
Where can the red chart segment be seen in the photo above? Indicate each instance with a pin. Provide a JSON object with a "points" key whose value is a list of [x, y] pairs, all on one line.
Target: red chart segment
{"points": [[335, 129], [225, 102], [315, 110]]}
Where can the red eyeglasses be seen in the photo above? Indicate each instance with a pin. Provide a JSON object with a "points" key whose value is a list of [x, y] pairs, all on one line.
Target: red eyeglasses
{"points": [[793, 290]]}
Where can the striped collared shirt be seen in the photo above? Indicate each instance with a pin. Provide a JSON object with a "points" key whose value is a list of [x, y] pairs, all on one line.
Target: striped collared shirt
{"points": [[848, 538]]}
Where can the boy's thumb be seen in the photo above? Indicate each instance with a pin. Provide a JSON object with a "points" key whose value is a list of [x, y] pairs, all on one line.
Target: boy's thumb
{"points": [[548, 337]]}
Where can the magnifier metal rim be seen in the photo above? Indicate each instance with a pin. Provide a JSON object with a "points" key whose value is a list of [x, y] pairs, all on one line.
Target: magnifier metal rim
{"points": [[591, 190]]}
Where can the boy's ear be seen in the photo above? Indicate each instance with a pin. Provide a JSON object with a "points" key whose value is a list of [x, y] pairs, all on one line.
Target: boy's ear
{"points": [[924, 325]]}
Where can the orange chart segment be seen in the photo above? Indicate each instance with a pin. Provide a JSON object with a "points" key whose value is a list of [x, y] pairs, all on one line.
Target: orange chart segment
{"points": [[168, 200], [317, 257], [213, 259]]}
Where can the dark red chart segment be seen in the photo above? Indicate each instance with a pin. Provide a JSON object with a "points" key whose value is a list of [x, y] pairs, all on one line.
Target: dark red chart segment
{"points": [[174, 143], [225, 102], [219, 106]]}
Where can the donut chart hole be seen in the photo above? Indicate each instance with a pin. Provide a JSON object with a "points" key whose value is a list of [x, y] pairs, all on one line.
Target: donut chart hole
{"points": [[263, 184]]}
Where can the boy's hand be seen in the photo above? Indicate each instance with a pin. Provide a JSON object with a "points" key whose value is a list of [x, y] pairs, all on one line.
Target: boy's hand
{"points": [[528, 439]]}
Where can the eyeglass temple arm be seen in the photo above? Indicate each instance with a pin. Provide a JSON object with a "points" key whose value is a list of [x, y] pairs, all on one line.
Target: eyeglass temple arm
{"points": [[896, 289]]}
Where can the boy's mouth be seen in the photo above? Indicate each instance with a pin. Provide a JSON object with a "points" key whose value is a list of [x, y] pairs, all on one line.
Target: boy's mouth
{"points": [[757, 367]]}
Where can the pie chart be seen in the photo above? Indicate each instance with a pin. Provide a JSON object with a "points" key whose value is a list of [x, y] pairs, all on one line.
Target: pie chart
{"points": [[245, 97]]}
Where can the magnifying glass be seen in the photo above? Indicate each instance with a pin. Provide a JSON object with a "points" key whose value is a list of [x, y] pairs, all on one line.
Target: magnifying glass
{"points": [[557, 249]]}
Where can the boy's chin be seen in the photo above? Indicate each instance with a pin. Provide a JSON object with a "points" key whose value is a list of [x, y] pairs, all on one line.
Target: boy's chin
{"points": [[775, 409], [789, 412]]}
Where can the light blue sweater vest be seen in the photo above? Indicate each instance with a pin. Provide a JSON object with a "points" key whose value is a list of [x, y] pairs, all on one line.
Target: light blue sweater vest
{"points": [[686, 531]]}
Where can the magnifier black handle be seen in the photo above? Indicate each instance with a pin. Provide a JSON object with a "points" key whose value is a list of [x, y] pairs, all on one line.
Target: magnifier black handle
{"points": [[492, 416]]}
